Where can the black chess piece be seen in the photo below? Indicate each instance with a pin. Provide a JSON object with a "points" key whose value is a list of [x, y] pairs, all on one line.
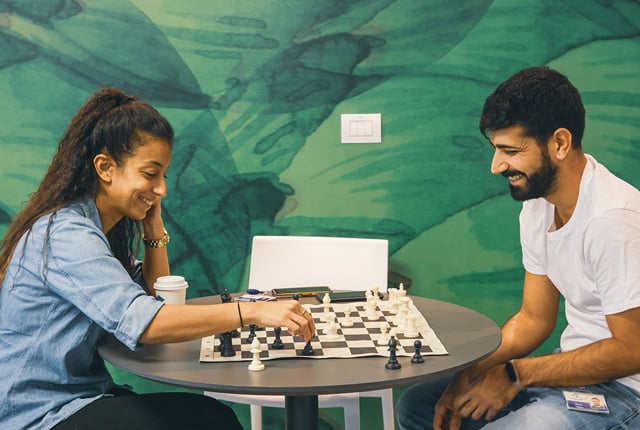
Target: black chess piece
{"points": [[277, 342], [417, 357], [308, 349], [296, 297], [392, 364], [252, 332], [225, 296], [227, 345]]}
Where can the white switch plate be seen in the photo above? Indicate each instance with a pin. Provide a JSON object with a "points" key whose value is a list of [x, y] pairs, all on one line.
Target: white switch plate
{"points": [[361, 128]]}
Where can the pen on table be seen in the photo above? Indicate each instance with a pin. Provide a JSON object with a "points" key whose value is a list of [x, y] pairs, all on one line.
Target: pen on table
{"points": [[254, 291]]}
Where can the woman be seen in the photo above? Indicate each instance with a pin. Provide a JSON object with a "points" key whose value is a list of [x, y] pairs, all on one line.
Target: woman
{"points": [[68, 274]]}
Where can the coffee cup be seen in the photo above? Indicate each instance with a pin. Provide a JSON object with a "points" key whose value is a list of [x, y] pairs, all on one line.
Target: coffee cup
{"points": [[171, 289]]}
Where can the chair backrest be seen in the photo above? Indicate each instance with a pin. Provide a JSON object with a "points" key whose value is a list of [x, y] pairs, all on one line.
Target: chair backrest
{"points": [[340, 263]]}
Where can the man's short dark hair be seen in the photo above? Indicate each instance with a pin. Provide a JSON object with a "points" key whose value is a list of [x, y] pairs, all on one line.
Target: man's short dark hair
{"points": [[539, 99]]}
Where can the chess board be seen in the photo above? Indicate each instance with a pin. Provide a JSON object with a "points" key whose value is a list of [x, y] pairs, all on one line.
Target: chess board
{"points": [[359, 340]]}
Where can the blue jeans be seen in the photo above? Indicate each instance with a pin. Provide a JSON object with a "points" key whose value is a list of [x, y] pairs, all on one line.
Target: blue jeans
{"points": [[534, 408]]}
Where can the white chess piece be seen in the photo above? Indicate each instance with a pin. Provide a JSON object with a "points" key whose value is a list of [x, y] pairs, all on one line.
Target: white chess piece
{"points": [[371, 313], [400, 319], [383, 339], [376, 294], [347, 321], [326, 304], [401, 291], [332, 329], [369, 297], [330, 317], [393, 300], [410, 329], [256, 348]]}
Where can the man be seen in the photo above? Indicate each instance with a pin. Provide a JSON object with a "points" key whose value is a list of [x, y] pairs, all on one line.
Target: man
{"points": [[580, 238]]}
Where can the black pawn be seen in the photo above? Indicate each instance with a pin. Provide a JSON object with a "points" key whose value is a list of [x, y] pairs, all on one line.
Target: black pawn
{"points": [[308, 349], [252, 332], [277, 342], [225, 296], [392, 364], [417, 357], [227, 345]]}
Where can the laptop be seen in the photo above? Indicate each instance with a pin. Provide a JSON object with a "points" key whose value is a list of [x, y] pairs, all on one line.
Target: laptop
{"points": [[340, 263]]}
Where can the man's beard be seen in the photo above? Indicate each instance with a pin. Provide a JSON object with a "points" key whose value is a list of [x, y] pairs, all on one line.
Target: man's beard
{"points": [[539, 183]]}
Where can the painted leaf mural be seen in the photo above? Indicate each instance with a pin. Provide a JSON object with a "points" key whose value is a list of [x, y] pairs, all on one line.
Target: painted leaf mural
{"points": [[256, 97]]}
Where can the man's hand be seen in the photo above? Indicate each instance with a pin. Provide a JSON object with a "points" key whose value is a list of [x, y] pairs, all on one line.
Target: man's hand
{"points": [[488, 396], [447, 417]]}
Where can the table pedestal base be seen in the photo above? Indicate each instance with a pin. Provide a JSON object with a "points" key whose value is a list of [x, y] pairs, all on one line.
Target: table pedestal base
{"points": [[301, 412]]}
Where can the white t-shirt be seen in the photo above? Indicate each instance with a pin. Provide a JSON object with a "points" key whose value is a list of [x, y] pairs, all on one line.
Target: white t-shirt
{"points": [[593, 260]]}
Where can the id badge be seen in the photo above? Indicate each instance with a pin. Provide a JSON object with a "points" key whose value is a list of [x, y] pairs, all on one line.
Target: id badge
{"points": [[586, 402]]}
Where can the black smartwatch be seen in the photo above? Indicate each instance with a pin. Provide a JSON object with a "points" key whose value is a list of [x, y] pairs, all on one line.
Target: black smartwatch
{"points": [[513, 374]]}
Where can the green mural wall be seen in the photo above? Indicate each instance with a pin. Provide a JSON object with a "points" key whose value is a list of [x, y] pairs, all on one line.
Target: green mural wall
{"points": [[255, 90]]}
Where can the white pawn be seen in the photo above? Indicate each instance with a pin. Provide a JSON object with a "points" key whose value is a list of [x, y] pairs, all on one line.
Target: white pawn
{"points": [[332, 329], [384, 337], [330, 317], [256, 348], [347, 321], [371, 313]]}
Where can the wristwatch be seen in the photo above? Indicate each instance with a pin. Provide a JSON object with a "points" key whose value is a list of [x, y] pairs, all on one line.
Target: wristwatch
{"points": [[159, 243], [512, 373]]}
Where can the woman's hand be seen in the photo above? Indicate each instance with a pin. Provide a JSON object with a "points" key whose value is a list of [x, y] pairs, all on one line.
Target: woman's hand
{"points": [[152, 223], [282, 313]]}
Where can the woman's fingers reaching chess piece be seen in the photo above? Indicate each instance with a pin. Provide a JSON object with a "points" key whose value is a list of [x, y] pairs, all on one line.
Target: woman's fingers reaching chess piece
{"points": [[286, 313]]}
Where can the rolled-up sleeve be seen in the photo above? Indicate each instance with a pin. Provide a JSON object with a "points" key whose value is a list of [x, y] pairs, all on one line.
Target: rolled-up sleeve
{"points": [[80, 268]]}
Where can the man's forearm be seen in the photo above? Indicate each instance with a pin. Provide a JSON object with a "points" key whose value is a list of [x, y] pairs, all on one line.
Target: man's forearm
{"points": [[520, 337], [601, 361]]}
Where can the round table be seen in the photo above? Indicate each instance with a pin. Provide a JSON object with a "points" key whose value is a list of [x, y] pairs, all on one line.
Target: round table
{"points": [[467, 335]]}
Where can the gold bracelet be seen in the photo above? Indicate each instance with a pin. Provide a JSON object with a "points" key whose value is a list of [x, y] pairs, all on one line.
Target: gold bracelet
{"points": [[159, 243]]}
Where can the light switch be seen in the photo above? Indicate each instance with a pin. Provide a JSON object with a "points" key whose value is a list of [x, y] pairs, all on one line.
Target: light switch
{"points": [[361, 128]]}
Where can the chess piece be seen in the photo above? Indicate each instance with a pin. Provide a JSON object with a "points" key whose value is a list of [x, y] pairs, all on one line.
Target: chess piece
{"points": [[252, 333], [392, 364], [225, 296], [401, 291], [329, 318], [393, 300], [417, 357], [384, 337], [308, 349], [400, 319], [347, 321], [332, 328], [371, 313], [227, 345], [326, 303], [410, 329], [277, 342], [376, 293], [256, 348]]}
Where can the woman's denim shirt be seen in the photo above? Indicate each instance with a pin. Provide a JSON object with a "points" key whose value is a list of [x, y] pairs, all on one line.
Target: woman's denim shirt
{"points": [[62, 291]]}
